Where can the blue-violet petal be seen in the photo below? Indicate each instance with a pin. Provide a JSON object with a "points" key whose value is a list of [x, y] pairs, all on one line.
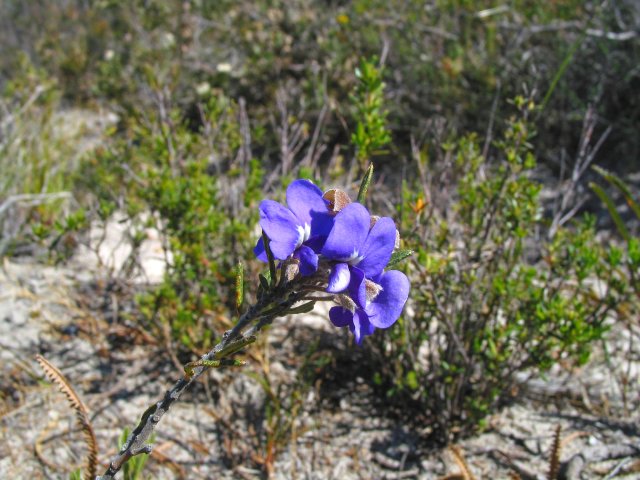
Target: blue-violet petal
{"points": [[338, 278], [281, 226], [308, 260], [349, 232], [388, 305], [378, 247]]}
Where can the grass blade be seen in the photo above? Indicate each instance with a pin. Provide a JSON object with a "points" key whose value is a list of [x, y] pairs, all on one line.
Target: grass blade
{"points": [[617, 219]]}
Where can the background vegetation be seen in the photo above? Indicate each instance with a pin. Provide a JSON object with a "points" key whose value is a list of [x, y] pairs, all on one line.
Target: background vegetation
{"points": [[482, 120]]}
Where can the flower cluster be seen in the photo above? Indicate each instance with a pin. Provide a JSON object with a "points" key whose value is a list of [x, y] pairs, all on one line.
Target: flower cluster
{"points": [[330, 235]]}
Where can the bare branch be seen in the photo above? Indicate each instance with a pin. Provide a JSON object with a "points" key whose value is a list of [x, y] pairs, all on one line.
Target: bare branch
{"points": [[270, 306]]}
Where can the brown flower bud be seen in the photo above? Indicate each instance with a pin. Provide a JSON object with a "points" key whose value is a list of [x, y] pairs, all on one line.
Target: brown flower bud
{"points": [[291, 269], [338, 199]]}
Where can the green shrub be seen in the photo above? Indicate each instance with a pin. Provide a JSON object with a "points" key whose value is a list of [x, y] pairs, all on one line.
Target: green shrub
{"points": [[445, 62], [40, 151], [199, 190], [492, 300]]}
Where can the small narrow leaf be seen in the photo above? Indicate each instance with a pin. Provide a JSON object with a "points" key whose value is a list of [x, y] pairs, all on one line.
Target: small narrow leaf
{"points": [[622, 187], [364, 185], [264, 281], [398, 256], [304, 308], [272, 261], [239, 285], [617, 219]]}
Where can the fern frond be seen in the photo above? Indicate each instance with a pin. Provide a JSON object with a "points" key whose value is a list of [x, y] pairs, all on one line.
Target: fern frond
{"points": [[554, 459], [82, 413]]}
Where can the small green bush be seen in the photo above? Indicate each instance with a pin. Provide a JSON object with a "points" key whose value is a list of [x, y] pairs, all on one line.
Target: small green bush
{"points": [[196, 187], [491, 298]]}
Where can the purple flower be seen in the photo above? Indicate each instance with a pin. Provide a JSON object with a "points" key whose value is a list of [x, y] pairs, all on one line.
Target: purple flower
{"points": [[371, 304], [354, 243], [300, 230]]}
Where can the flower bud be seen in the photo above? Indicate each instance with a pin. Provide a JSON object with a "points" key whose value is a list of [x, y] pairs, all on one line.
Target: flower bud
{"points": [[338, 199], [345, 302], [292, 269]]}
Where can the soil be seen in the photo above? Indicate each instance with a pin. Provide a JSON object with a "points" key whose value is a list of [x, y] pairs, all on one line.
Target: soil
{"points": [[222, 428]]}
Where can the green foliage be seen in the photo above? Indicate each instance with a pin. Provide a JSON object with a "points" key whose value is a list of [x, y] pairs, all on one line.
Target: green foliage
{"points": [[483, 312], [39, 150], [76, 474], [625, 191], [195, 187], [631, 258], [371, 132], [442, 63], [198, 87]]}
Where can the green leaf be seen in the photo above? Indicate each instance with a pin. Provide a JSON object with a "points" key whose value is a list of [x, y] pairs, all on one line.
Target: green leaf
{"points": [[621, 186], [265, 281], [272, 262], [398, 256], [412, 380], [606, 199], [364, 185], [76, 475], [304, 308]]}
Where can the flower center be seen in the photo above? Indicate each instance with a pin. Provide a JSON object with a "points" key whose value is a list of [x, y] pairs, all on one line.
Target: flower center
{"points": [[354, 259], [345, 302], [372, 290], [304, 232]]}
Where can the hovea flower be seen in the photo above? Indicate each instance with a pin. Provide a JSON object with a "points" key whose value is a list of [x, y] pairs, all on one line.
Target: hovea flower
{"points": [[371, 304], [354, 243], [300, 230]]}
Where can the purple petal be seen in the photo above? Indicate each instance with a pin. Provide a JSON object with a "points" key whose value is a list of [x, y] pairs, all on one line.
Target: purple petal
{"points": [[338, 278], [349, 232], [361, 326], [305, 201], [315, 243], [304, 197], [281, 226], [378, 247], [308, 260], [260, 252], [358, 287], [388, 305], [340, 317]]}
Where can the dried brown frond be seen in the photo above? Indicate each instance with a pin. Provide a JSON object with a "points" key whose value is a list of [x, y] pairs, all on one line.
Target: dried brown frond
{"points": [[461, 462], [554, 459], [82, 414], [514, 476]]}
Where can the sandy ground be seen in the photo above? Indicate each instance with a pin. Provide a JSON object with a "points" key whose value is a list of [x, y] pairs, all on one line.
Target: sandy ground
{"points": [[220, 429]]}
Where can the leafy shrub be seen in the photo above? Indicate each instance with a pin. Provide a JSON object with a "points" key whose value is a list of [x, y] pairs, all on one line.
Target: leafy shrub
{"points": [[40, 149], [445, 62], [492, 299], [199, 189]]}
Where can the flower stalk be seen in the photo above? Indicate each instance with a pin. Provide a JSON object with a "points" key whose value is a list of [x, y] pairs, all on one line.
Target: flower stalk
{"points": [[321, 246]]}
